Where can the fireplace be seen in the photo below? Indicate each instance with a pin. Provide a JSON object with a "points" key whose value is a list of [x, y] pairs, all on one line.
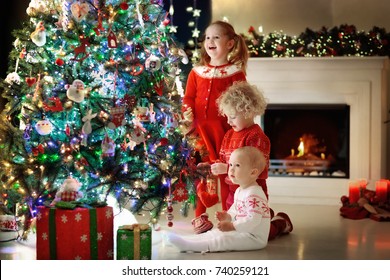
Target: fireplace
{"points": [[358, 85], [308, 139]]}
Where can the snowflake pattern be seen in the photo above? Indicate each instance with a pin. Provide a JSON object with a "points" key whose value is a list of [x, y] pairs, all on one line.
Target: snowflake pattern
{"points": [[77, 258], [78, 217], [105, 79], [110, 254], [254, 203], [99, 236], [109, 213], [144, 236], [124, 237], [39, 215], [84, 238], [64, 219], [44, 236]]}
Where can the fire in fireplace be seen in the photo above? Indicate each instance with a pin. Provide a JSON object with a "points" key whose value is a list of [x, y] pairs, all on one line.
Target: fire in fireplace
{"points": [[308, 140]]}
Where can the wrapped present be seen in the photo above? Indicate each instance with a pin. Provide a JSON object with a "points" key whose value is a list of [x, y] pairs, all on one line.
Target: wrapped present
{"points": [[81, 233], [134, 242]]}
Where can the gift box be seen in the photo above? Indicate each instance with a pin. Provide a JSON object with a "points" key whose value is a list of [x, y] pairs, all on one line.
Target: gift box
{"points": [[134, 242], [78, 234]]}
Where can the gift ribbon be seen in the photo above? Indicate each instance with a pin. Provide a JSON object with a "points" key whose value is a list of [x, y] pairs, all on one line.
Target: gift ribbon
{"points": [[137, 228], [92, 229]]}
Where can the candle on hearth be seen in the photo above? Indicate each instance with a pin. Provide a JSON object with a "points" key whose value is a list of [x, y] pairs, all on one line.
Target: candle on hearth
{"points": [[363, 183], [354, 191], [381, 190]]}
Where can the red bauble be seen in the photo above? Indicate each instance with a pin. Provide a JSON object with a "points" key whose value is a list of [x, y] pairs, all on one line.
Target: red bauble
{"points": [[170, 224], [163, 141], [124, 6], [59, 62]]}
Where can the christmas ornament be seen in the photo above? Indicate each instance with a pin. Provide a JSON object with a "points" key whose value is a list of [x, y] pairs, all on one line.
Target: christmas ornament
{"points": [[39, 35], [117, 116], [129, 100], [169, 214], [38, 150], [56, 107], [124, 6], [60, 62], [87, 128], [76, 91], [108, 147], [30, 81], [79, 10], [44, 127], [69, 191], [153, 63], [81, 49], [142, 113], [12, 78], [112, 42], [128, 143], [180, 193]]}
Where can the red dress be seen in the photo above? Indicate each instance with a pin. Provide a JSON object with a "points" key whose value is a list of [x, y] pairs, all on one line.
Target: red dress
{"points": [[204, 85], [250, 136]]}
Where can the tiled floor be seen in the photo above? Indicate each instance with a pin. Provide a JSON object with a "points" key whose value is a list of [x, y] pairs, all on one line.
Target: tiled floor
{"points": [[320, 233]]}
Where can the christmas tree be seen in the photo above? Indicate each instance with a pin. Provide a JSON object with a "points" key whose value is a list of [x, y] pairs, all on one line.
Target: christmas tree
{"points": [[94, 93]]}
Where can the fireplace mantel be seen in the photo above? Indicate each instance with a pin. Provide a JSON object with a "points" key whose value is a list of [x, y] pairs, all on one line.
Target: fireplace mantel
{"points": [[361, 83]]}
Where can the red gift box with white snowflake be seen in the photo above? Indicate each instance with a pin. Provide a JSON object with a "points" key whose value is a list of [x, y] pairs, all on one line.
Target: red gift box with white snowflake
{"points": [[78, 234]]}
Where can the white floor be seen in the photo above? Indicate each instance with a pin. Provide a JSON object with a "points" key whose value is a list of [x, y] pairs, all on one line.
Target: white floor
{"points": [[320, 233]]}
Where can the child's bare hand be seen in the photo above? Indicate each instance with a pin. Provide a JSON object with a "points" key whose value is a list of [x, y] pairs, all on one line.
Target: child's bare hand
{"points": [[225, 226], [188, 115], [219, 168], [222, 216]]}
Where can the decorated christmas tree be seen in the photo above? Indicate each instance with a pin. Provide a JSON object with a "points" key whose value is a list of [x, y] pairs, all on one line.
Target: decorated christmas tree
{"points": [[93, 94]]}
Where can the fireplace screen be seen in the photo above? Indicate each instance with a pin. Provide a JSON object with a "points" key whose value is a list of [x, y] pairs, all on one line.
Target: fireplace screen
{"points": [[308, 140]]}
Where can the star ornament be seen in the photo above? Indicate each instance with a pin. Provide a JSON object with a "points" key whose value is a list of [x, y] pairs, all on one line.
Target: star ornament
{"points": [[172, 29], [196, 13], [195, 33]]}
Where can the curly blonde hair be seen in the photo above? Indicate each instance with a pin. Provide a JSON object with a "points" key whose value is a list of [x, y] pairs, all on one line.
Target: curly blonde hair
{"points": [[243, 98]]}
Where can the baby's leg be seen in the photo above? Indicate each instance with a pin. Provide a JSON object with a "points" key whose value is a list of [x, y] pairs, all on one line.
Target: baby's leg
{"points": [[189, 243]]}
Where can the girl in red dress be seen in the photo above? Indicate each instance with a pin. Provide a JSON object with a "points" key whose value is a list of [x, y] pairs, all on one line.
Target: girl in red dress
{"points": [[223, 60]]}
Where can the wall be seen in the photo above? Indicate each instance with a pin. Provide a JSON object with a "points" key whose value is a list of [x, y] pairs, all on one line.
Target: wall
{"points": [[294, 16]]}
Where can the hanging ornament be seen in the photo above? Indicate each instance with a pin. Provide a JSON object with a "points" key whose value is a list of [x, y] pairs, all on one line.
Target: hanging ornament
{"points": [[54, 106], [12, 78], [180, 193], [59, 61], [129, 100], [142, 113], [79, 10], [87, 127], [117, 116], [159, 87], [44, 127], [30, 81], [76, 91], [81, 49], [152, 113], [153, 63], [128, 143], [138, 134], [112, 41], [39, 35], [124, 6], [38, 150], [108, 147], [170, 207]]}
